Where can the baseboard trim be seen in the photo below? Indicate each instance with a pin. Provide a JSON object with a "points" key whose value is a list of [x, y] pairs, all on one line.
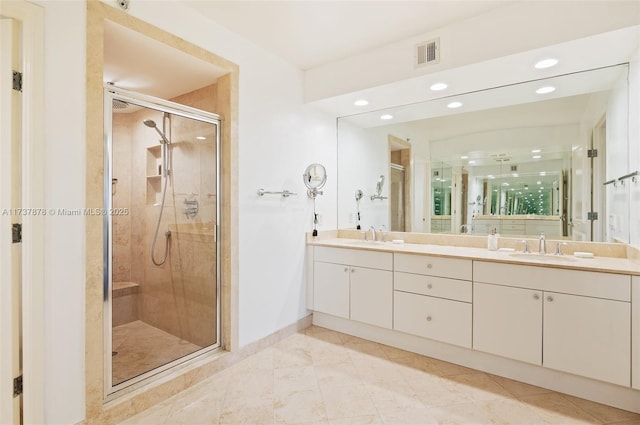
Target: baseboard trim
{"points": [[578, 386]]}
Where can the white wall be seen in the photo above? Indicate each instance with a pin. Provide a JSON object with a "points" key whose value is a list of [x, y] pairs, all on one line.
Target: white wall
{"points": [[279, 137], [64, 131]]}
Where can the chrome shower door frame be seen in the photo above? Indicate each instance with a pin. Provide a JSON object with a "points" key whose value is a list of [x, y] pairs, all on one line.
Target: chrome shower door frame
{"points": [[112, 93]]}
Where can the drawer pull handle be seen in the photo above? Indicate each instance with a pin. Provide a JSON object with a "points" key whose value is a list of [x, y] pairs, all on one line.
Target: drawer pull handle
{"points": [[353, 270], [429, 286], [429, 266], [550, 298], [428, 318], [346, 269], [536, 296]]}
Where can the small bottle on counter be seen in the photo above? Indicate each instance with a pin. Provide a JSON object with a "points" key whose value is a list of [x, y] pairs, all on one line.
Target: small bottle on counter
{"points": [[492, 240]]}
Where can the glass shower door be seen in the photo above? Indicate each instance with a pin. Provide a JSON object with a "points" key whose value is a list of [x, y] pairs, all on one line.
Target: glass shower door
{"points": [[163, 264]]}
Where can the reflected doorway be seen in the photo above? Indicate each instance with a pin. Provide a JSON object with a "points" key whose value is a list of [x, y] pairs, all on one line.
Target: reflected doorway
{"points": [[400, 187], [397, 198]]}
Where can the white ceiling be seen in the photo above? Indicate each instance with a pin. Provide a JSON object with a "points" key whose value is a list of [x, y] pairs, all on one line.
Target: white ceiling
{"points": [[136, 62], [312, 33]]}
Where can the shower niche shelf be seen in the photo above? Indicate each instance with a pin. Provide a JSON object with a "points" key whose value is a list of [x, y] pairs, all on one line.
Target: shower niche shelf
{"points": [[154, 174]]}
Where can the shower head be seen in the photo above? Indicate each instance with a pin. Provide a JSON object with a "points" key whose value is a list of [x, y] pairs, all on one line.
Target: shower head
{"points": [[119, 104], [152, 124]]}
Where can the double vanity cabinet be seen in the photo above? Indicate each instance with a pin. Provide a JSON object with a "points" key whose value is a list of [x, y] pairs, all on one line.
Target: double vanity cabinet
{"points": [[487, 309]]}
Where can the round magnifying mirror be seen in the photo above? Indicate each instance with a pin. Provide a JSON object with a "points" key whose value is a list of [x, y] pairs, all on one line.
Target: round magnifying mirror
{"points": [[314, 177]]}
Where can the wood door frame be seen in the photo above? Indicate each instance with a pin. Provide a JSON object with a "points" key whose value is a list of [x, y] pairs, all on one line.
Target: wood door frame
{"points": [[31, 19]]}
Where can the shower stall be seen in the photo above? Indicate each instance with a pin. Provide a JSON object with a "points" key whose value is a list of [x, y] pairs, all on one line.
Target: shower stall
{"points": [[161, 209]]}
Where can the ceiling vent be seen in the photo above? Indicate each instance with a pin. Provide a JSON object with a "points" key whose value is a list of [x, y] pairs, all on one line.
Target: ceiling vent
{"points": [[427, 53]]}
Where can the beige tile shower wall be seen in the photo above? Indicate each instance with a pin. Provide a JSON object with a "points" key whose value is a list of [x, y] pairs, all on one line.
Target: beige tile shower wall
{"points": [[121, 197]]}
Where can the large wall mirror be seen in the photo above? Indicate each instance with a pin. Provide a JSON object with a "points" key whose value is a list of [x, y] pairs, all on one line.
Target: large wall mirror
{"points": [[519, 159]]}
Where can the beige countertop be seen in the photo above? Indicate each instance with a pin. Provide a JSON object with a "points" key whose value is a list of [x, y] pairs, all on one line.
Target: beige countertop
{"points": [[597, 263]]}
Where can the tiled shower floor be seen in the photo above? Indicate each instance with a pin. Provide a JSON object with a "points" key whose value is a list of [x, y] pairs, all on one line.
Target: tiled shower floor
{"points": [[318, 376], [141, 347]]}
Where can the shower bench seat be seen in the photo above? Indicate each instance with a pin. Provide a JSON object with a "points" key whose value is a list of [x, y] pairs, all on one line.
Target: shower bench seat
{"points": [[125, 302]]}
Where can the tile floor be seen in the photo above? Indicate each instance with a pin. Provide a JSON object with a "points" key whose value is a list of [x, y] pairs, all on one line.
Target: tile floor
{"points": [[318, 376], [142, 347]]}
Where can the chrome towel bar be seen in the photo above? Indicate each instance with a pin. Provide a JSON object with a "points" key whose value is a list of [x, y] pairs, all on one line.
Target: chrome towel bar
{"points": [[285, 193]]}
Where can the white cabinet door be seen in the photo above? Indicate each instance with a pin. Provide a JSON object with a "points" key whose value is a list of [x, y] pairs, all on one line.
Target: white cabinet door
{"points": [[508, 322], [435, 318], [372, 296], [588, 336], [331, 289]]}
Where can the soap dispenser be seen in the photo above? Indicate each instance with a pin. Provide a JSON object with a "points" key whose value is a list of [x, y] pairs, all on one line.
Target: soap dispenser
{"points": [[492, 240]]}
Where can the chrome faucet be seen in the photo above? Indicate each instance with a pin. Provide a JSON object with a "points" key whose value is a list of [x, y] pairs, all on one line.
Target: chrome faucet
{"points": [[373, 233], [383, 235], [526, 245], [559, 247], [542, 244]]}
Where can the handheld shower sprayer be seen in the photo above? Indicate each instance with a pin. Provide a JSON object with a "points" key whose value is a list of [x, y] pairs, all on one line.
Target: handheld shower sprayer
{"points": [[165, 177], [152, 124]]}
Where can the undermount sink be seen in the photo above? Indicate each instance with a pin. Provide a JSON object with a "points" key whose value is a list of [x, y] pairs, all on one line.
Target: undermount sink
{"points": [[546, 258]]}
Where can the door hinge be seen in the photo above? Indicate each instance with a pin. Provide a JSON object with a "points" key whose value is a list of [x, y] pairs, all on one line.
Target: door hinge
{"points": [[16, 232], [17, 386], [592, 215], [17, 80], [592, 153]]}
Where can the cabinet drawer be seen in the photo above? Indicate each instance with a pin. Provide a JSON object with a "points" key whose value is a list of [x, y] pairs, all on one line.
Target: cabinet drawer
{"points": [[513, 222], [459, 290], [577, 282], [513, 227], [354, 257], [434, 318], [453, 268]]}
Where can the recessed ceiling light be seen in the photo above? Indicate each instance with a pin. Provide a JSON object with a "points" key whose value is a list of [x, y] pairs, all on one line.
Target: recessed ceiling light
{"points": [[514, 175], [472, 162], [464, 157], [536, 150], [438, 86], [386, 117], [543, 173], [537, 156], [361, 102], [454, 105], [545, 90], [541, 188], [201, 138], [538, 182], [546, 63]]}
